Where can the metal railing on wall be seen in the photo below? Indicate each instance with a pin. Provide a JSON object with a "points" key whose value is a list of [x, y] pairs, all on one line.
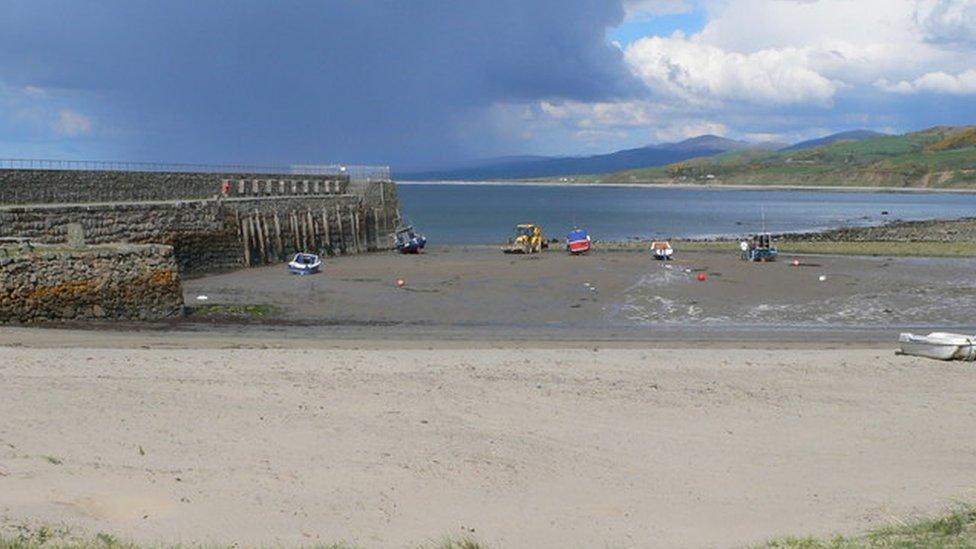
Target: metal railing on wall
{"points": [[355, 172]]}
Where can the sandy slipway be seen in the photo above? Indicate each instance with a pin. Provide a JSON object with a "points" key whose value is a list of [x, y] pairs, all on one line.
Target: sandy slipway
{"points": [[607, 294], [518, 448]]}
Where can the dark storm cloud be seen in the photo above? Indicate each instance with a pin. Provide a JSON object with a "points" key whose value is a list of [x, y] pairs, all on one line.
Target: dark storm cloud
{"points": [[279, 81]]}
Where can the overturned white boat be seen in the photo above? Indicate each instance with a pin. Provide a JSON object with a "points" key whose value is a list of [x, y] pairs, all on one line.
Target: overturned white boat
{"points": [[939, 345]]}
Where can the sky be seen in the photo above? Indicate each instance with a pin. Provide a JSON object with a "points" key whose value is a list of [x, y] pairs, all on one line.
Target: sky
{"points": [[423, 83]]}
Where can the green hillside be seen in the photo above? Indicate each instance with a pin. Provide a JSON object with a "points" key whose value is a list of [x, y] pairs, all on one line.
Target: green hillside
{"points": [[942, 157]]}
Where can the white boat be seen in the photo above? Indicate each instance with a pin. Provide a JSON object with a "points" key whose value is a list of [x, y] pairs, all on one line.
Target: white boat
{"points": [[304, 264], [939, 345], [662, 250]]}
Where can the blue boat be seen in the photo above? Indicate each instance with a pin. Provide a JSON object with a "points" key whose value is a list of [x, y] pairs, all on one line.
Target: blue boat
{"points": [[408, 241]]}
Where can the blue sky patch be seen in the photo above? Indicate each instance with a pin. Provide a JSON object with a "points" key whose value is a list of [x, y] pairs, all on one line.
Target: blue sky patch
{"points": [[658, 25]]}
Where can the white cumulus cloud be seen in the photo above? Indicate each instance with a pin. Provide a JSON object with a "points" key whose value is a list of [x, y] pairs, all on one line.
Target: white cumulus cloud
{"points": [[694, 71], [934, 82]]}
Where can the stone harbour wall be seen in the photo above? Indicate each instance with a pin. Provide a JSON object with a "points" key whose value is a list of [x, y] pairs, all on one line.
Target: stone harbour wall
{"points": [[120, 282], [222, 233], [105, 245]]}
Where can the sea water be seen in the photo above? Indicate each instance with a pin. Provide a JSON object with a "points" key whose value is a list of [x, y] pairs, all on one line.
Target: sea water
{"points": [[486, 213]]}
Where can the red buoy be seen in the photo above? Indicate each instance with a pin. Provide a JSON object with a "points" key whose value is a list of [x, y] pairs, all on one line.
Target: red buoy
{"points": [[701, 277]]}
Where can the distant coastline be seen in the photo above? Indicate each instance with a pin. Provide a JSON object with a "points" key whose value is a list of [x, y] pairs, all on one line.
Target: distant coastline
{"points": [[702, 186]]}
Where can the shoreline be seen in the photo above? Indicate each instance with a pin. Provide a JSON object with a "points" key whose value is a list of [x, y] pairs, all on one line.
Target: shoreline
{"points": [[227, 335], [931, 231], [693, 186]]}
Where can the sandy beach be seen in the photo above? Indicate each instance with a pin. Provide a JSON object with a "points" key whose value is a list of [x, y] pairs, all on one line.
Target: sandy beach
{"points": [[545, 401], [180, 441]]}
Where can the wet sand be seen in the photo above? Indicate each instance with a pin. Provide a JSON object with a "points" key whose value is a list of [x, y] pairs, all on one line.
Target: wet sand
{"points": [[608, 295], [517, 448]]}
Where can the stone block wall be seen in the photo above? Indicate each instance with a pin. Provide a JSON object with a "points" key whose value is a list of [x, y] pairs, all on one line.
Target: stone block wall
{"points": [[200, 231], [122, 282], [217, 234]]}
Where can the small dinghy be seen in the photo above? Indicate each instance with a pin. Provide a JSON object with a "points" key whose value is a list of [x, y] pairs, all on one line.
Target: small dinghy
{"points": [[304, 264], [662, 250], [407, 241], [939, 345], [578, 241]]}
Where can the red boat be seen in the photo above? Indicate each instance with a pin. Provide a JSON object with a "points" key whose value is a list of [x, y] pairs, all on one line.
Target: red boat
{"points": [[578, 242]]}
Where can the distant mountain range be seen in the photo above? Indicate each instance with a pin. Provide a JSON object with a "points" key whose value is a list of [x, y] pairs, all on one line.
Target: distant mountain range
{"points": [[940, 157], [535, 167]]}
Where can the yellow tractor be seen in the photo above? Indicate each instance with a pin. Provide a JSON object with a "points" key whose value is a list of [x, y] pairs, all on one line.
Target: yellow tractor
{"points": [[528, 240]]}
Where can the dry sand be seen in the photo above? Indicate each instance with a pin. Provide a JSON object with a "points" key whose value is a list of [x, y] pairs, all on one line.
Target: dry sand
{"points": [[519, 447]]}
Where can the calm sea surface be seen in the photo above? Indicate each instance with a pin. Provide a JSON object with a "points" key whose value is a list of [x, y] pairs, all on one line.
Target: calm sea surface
{"points": [[486, 214]]}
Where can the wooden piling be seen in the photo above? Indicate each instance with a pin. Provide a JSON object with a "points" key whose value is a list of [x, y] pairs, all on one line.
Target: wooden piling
{"points": [[261, 244], [278, 242], [312, 240], [294, 231], [327, 245], [376, 229], [269, 257], [354, 219], [245, 237], [340, 237]]}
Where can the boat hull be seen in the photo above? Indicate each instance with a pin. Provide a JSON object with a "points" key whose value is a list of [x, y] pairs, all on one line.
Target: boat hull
{"points": [[939, 346], [763, 255], [412, 246], [578, 246], [304, 270]]}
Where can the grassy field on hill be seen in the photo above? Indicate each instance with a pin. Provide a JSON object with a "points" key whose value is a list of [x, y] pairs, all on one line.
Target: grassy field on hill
{"points": [[943, 157]]}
